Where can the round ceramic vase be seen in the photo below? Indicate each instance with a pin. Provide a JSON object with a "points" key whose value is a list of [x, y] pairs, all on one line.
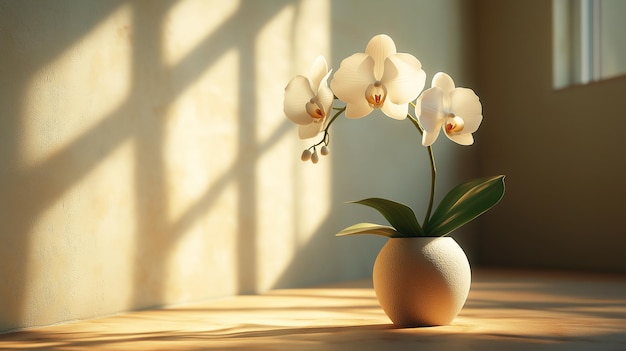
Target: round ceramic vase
{"points": [[422, 281]]}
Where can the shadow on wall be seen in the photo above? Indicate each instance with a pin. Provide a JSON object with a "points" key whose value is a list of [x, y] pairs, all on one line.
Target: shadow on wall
{"points": [[46, 31], [42, 272]]}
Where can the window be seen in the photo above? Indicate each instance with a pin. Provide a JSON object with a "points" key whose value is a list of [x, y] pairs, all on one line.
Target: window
{"points": [[589, 43]]}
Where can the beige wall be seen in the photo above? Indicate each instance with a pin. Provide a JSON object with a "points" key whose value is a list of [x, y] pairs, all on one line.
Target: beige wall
{"points": [[146, 159], [562, 150]]}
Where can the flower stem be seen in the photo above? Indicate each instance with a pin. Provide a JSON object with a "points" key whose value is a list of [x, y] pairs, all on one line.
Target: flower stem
{"points": [[334, 117], [326, 139], [433, 181], [433, 171]]}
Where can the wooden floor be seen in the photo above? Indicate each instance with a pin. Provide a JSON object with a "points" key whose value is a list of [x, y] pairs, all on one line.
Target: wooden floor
{"points": [[506, 310]]}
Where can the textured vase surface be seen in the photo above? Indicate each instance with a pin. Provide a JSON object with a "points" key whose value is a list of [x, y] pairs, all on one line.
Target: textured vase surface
{"points": [[421, 281]]}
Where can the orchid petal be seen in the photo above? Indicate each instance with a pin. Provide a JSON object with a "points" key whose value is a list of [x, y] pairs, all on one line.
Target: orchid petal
{"points": [[379, 48], [309, 131], [429, 111], [403, 78], [353, 77], [325, 95], [462, 139], [297, 94], [395, 111], [428, 138], [319, 71], [324, 81], [443, 81], [326, 98], [471, 123], [358, 109], [465, 103]]}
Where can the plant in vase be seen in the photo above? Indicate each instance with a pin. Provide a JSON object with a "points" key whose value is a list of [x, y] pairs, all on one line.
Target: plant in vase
{"points": [[421, 276]]}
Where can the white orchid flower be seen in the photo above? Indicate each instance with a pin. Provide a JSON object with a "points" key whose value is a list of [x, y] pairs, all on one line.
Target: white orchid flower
{"points": [[457, 111], [309, 100], [380, 78]]}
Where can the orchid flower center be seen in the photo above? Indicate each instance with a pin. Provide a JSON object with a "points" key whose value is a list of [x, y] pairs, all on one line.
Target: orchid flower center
{"points": [[376, 94], [315, 109], [454, 124]]}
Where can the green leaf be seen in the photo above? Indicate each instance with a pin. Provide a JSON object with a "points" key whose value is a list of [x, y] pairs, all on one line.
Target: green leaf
{"points": [[369, 228], [464, 203], [400, 216]]}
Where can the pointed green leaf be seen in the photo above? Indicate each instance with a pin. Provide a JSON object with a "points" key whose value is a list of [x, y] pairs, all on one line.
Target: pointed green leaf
{"points": [[400, 216], [369, 228], [464, 203]]}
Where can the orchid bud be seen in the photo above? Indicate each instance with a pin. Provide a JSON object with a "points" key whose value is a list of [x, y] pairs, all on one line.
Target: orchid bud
{"points": [[306, 155], [324, 150], [315, 157]]}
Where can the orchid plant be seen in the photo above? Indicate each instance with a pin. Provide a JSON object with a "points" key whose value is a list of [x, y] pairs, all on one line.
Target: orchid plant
{"points": [[383, 79]]}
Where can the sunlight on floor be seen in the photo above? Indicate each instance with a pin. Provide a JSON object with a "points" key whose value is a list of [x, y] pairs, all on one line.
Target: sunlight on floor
{"points": [[337, 316]]}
